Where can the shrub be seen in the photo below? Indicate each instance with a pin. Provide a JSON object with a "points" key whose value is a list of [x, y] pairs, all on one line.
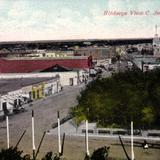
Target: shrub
{"points": [[13, 154]]}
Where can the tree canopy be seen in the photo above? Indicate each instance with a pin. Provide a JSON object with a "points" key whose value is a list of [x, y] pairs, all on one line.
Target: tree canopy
{"points": [[115, 101]]}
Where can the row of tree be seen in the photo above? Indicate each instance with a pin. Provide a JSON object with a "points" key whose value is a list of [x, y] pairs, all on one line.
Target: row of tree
{"points": [[115, 101]]}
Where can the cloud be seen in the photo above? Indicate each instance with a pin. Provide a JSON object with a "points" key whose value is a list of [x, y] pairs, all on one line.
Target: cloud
{"points": [[27, 20]]}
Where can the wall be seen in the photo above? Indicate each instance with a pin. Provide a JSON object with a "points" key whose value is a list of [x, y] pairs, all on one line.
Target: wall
{"points": [[44, 89], [40, 90], [37, 91], [96, 53], [64, 76], [1, 110], [9, 99]]}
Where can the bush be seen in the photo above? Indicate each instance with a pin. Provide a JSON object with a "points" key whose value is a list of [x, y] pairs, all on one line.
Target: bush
{"points": [[13, 154], [51, 156], [115, 101], [100, 153]]}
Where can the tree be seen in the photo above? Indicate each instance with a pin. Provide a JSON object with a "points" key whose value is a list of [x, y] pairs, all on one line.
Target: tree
{"points": [[121, 98], [148, 117]]}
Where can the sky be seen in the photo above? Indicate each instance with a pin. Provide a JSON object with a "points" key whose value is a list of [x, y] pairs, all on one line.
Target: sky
{"points": [[77, 19]]}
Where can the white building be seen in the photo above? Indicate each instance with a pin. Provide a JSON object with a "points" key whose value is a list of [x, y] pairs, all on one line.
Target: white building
{"points": [[14, 92], [50, 54], [69, 78], [150, 66], [156, 44]]}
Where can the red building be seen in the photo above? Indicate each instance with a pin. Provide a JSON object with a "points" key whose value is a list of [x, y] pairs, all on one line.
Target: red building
{"points": [[25, 65]]}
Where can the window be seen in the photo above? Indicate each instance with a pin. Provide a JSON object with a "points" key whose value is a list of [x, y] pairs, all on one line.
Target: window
{"points": [[15, 102], [71, 81], [33, 94], [4, 106], [38, 96], [30, 95]]}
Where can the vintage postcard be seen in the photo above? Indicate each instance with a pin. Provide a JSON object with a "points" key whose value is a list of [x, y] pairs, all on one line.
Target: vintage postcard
{"points": [[79, 79]]}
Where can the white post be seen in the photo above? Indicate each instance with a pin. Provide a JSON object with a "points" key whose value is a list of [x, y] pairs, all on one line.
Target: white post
{"points": [[33, 135], [132, 151], [7, 124], [87, 148], [59, 134]]}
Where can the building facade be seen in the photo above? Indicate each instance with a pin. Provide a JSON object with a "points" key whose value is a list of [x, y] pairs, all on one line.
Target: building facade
{"points": [[69, 78], [97, 53], [156, 44], [16, 92]]}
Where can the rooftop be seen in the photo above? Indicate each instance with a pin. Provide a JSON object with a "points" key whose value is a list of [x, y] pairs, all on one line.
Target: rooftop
{"points": [[56, 68], [46, 58], [8, 85]]}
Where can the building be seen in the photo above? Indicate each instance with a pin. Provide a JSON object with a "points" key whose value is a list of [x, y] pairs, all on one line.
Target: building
{"points": [[156, 44], [67, 78], [139, 60], [97, 53], [4, 52], [150, 66], [28, 64], [15, 92], [52, 53]]}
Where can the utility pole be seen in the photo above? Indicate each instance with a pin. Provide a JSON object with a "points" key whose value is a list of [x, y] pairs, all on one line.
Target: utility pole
{"points": [[7, 125], [33, 136], [59, 134], [87, 146], [132, 151]]}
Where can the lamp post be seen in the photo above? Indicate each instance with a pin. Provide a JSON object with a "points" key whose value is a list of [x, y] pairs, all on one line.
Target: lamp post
{"points": [[87, 145], [59, 133], [132, 151], [7, 125], [33, 136]]}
